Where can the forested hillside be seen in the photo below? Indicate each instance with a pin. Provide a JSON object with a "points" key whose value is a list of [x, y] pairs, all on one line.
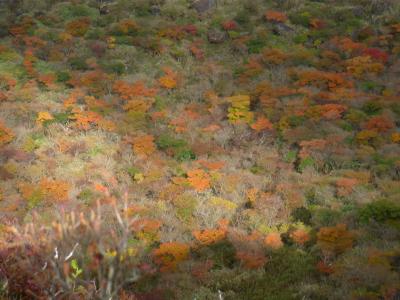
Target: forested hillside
{"points": [[215, 149]]}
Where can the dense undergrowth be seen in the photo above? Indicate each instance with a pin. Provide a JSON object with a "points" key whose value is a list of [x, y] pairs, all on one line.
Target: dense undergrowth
{"points": [[234, 149]]}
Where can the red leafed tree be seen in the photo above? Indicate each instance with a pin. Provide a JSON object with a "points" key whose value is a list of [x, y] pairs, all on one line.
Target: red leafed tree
{"points": [[380, 124], [275, 16]]}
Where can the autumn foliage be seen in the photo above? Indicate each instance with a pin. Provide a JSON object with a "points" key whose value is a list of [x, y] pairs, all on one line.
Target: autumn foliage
{"points": [[275, 16], [199, 179], [78, 27], [6, 134], [335, 240], [144, 145], [198, 150], [169, 255]]}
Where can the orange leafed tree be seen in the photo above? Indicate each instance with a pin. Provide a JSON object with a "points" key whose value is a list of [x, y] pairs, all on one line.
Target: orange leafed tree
{"points": [[345, 186], [275, 16], [199, 179], [335, 240], [273, 241], [261, 124], [321, 79], [78, 27], [6, 134], [55, 190], [43, 116], [169, 80], [212, 165], [129, 91], [140, 104], [332, 111], [300, 236], [84, 119], [29, 61], [274, 56], [168, 255], [127, 26], [144, 145], [209, 236], [380, 124]]}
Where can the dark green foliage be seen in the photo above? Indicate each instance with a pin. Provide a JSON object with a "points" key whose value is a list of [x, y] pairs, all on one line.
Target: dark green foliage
{"points": [[95, 33], [179, 147], [124, 40], [243, 17], [326, 217], [78, 63], [62, 118], [256, 45], [301, 38], [370, 86], [69, 11], [117, 67], [302, 19], [372, 108], [380, 211], [295, 121], [385, 166], [63, 76], [3, 29], [222, 253], [166, 141], [285, 271], [302, 214], [185, 154]]}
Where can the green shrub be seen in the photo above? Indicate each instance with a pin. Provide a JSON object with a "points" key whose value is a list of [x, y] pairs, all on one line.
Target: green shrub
{"points": [[305, 163], [222, 253], [256, 45], [380, 211], [242, 17], [62, 118], [63, 76], [166, 141], [95, 34], [302, 214], [180, 149], [285, 272], [295, 121], [78, 63], [372, 108], [68, 11], [300, 38], [185, 154], [302, 19], [117, 67], [325, 217], [124, 40]]}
